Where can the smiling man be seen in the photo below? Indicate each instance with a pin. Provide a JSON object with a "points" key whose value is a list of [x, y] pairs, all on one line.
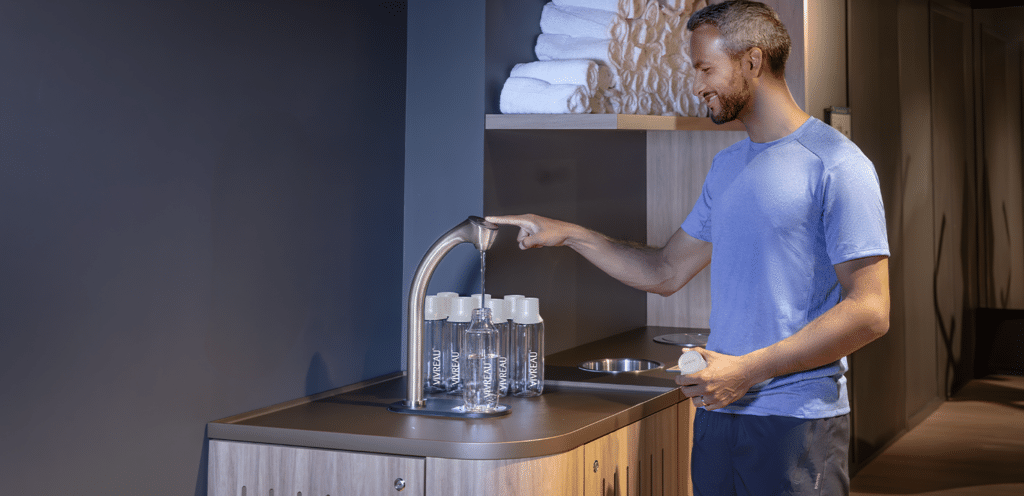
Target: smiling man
{"points": [[792, 224]]}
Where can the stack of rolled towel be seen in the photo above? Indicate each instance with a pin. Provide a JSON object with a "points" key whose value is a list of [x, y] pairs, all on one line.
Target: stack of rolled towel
{"points": [[608, 56]]}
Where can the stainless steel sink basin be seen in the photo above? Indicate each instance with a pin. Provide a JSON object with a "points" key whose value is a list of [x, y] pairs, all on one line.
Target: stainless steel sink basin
{"points": [[617, 365]]}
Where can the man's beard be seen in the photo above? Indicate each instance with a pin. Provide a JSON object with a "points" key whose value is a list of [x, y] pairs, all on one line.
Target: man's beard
{"points": [[732, 104]]}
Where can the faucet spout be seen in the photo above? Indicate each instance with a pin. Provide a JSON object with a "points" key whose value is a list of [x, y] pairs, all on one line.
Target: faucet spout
{"points": [[473, 230]]}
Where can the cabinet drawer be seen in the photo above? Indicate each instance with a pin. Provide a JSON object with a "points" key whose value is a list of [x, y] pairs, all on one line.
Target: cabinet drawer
{"points": [[247, 469]]}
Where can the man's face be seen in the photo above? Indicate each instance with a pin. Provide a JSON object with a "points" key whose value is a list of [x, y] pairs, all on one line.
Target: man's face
{"points": [[720, 82]]}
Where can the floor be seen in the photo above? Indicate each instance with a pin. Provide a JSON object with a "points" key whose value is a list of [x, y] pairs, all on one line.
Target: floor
{"points": [[972, 445]]}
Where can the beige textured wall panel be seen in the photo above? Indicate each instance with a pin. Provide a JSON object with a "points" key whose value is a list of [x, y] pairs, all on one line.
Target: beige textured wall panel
{"points": [[677, 163]]}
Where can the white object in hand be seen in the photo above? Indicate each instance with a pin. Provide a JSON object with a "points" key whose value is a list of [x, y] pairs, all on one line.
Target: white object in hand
{"points": [[691, 362]]}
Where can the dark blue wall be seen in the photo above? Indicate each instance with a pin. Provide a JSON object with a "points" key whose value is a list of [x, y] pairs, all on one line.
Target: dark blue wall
{"points": [[201, 211], [444, 135]]}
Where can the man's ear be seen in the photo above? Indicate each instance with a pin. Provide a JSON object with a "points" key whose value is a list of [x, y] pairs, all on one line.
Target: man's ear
{"points": [[753, 62]]}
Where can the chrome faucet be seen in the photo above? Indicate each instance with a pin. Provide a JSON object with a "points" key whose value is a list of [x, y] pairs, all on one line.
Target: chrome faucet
{"points": [[473, 230]]}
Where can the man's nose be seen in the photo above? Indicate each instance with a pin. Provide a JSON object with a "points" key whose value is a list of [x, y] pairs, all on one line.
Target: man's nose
{"points": [[698, 86]]}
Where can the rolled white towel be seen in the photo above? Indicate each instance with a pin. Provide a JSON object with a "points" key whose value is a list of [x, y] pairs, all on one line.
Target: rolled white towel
{"points": [[584, 72], [604, 78], [578, 22], [522, 95], [629, 9], [676, 5], [560, 46]]}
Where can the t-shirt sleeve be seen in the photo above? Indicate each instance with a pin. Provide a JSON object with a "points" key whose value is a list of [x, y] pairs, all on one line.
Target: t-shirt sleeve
{"points": [[853, 213], [698, 223]]}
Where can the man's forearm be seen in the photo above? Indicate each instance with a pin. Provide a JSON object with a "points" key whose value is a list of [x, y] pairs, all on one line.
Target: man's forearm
{"points": [[635, 265], [860, 318], [658, 270]]}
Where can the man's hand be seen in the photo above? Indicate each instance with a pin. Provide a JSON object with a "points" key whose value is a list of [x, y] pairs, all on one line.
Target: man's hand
{"points": [[536, 231], [722, 382]]}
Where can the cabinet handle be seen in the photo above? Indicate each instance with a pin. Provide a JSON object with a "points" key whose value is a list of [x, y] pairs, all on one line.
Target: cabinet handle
{"points": [[595, 466], [399, 484]]}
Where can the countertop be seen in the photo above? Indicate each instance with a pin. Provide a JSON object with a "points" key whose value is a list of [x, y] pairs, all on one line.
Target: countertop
{"points": [[576, 408]]}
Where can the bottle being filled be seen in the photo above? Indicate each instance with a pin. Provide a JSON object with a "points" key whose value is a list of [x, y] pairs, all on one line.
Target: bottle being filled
{"points": [[480, 382], [528, 362]]}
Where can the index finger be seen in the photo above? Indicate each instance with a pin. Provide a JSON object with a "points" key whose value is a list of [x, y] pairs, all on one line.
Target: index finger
{"points": [[511, 220]]}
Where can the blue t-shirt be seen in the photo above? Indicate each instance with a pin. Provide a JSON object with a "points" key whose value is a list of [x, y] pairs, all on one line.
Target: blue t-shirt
{"points": [[779, 216]]}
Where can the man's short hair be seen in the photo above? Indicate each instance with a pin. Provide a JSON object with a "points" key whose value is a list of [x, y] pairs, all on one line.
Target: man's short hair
{"points": [[744, 25]]}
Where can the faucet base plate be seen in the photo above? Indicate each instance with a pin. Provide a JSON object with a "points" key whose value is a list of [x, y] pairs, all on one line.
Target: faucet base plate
{"points": [[446, 407]]}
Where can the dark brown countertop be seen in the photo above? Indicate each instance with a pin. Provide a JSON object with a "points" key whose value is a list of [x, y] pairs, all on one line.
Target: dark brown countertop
{"points": [[576, 408], [636, 343]]}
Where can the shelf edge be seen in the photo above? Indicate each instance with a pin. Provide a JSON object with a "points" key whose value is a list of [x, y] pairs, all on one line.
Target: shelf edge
{"points": [[625, 122]]}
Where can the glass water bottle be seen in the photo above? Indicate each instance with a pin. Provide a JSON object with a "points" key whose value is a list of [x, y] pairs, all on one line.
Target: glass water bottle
{"points": [[460, 315], [528, 364], [435, 344], [480, 364], [499, 317]]}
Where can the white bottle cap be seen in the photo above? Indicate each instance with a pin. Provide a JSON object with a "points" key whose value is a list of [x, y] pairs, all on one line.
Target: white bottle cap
{"points": [[691, 362], [446, 302], [462, 309], [476, 300], [499, 310], [527, 311], [433, 308], [511, 301]]}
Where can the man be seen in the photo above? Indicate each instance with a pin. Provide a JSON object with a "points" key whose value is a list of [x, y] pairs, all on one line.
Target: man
{"points": [[791, 222]]}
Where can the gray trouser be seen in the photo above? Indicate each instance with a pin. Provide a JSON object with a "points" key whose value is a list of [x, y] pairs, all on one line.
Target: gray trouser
{"points": [[753, 455]]}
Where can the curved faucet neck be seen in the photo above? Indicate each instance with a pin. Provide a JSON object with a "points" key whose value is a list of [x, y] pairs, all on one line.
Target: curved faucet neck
{"points": [[473, 230]]}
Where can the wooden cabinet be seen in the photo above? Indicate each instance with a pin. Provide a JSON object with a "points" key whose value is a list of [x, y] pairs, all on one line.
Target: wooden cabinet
{"points": [[248, 469], [649, 457], [641, 459], [556, 475]]}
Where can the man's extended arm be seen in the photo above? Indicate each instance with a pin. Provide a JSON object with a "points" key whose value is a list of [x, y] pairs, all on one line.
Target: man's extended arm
{"points": [[657, 270]]}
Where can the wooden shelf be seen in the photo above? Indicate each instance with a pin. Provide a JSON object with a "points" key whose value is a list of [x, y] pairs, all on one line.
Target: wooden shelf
{"points": [[607, 121]]}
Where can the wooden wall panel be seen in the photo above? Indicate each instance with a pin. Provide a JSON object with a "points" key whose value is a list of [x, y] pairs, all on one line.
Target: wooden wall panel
{"points": [[953, 180], [677, 162], [877, 371], [592, 178], [824, 48], [1001, 203], [911, 227]]}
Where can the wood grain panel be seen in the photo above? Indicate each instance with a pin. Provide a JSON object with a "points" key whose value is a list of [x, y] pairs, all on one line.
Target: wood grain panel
{"points": [[685, 415], [607, 463], [548, 475], [1001, 203], [677, 162], [237, 468], [607, 121], [639, 459], [952, 179], [658, 469], [592, 178], [910, 216]]}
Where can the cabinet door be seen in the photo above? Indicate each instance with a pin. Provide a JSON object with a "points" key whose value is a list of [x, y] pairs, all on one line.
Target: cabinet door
{"points": [[248, 469], [608, 461], [641, 459], [686, 413], [658, 466], [555, 475]]}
